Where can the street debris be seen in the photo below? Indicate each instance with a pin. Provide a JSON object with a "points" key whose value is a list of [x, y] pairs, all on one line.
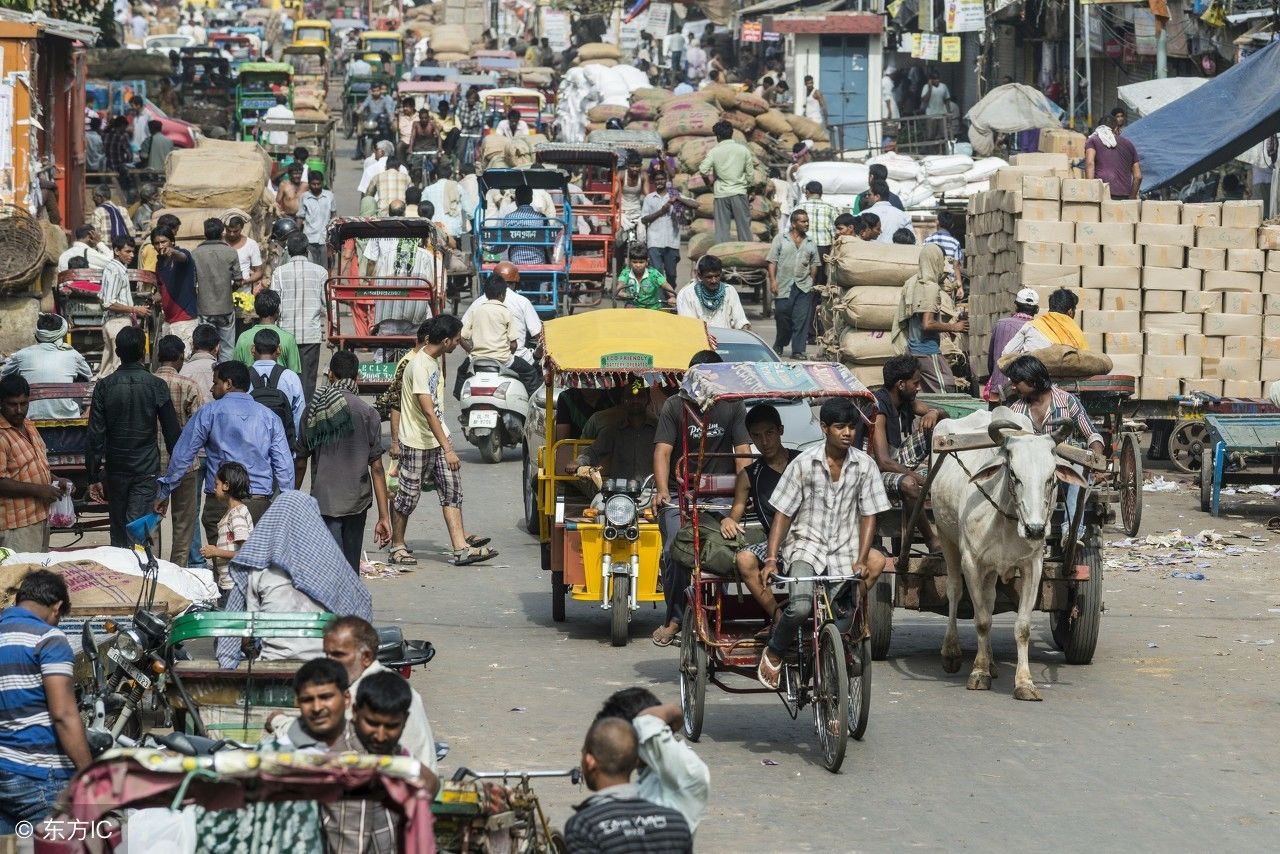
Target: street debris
{"points": [[1159, 484], [769, 762], [1180, 555], [1191, 576]]}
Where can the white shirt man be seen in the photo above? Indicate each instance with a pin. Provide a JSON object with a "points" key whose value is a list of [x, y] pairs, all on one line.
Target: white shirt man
{"points": [[695, 61], [891, 219], [728, 314], [359, 68], [97, 255], [279, 114], [890, 110], [526, 320]]}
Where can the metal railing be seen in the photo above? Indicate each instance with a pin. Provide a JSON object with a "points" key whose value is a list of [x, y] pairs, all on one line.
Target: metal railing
{"points": [[910, 134]]}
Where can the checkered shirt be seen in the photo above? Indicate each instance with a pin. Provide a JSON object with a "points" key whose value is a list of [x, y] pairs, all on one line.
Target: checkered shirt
{"points": [[390, 186], [300, 284], [470, 116], [22, 458], [822, 221]]}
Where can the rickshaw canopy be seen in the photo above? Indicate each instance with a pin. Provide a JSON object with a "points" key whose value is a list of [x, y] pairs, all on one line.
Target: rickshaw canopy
{"points": [[646, 143], [382, 40], [300, 30], [607, 347], [575, 153], [514, 93], [481, 82], [704, 385], [343, 229], [509, 179], [266, 68], [427, 87], [434, 72]]}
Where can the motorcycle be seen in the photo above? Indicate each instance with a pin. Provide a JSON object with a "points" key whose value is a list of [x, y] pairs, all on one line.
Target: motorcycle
{"points": [[495, 406], [373, 131]]}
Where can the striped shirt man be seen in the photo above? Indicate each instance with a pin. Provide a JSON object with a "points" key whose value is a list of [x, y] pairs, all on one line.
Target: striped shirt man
{"points": [[31, 651], [948, 244]]}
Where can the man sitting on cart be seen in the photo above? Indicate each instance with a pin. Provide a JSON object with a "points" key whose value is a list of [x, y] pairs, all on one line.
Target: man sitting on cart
{"points": [[525, 216], [901, 437], [623, 450], [825, 510], [1047, 405]]}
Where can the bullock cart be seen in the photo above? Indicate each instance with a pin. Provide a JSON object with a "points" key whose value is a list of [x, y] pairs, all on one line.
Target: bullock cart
{"points": [[1070, 588], [721, 637]]}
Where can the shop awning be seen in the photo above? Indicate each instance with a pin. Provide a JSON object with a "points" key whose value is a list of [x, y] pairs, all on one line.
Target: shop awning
{"points": [[1215, 123], [53, 26]]}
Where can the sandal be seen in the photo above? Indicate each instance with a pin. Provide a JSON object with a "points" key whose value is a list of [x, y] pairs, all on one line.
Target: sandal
{"points": [[767, 672], [476, 541], [471, 554], [400, 556], [661, 638]]}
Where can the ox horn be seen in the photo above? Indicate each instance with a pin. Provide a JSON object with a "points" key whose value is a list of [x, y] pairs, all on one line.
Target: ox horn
{"points": [[997, 429], [1063, 429]]}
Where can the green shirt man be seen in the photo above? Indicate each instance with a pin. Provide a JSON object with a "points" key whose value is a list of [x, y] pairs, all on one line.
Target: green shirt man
{"points": [[289, 357]]}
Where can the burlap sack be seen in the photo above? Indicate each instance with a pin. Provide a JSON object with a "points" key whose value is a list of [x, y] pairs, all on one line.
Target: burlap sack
{"points": [[866, 348], [653, 126], [1063, 362], [702, 225], [752, 105], [806, 129], [607, 63], [650, 93], [773, 122], [688, 121], [725, 95], [738, 254], [678, 102], [604, 112], [452, 56], [696, 185], [870, 308], [762, 208], [694, 152], [644, 111], [862, 263], [699, 244], [678, 142], [226, 175], [599, 50], [740, 121], [450, 38]]}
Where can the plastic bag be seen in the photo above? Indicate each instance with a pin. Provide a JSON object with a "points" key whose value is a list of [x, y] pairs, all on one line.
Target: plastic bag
{"points": [[62, 513]]}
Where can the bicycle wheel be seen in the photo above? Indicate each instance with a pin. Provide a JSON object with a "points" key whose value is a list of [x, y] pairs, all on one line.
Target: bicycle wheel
{"points": [[693, 677], [831, 697], [859, 689]]}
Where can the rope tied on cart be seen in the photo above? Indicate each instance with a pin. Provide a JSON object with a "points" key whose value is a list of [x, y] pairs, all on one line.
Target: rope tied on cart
{"points": [[981, 491]]}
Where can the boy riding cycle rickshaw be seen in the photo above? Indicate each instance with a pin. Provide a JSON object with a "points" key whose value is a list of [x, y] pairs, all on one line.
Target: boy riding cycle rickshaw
{"points": [[601, 548]]}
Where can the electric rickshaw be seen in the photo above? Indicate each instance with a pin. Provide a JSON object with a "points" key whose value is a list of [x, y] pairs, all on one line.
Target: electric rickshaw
{"points": [[259, 84]]}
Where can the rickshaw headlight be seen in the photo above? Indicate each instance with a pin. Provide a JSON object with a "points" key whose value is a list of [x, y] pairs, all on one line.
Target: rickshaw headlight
{"points": [[620, 511], [130, 645]]}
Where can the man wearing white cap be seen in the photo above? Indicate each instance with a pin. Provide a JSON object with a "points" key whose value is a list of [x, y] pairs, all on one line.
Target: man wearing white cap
{"points": [[1026, 303]]}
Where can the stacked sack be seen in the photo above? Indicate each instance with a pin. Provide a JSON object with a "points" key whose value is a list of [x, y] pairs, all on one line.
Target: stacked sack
{"points": [[598, 53], [450, 43], [865, 281], [920, 182], [592, 86]]}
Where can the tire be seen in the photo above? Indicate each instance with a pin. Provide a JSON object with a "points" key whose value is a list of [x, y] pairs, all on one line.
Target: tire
{"points": [[860, 689], [529, 493], [1187, 445], [620, 611], [491, 447], [880, 615], [557, 595], [831, 697], [1130, 484], [693, 677], [1206, 482], [1075, 631]]}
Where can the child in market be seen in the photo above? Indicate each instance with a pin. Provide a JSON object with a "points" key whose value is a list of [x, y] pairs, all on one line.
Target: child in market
{"points": [[643, 286], [232, 486]]}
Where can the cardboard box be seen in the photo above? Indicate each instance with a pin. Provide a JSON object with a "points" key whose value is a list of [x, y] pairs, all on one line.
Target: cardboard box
{"points": [[1080, 212], [1242, 388], [1202, 346], [1157, 387], [1230, 280], [1236, 302], [1169, 278], [1122, 343], [1121, 210], [1110, 321], [1246, 260], [1270, 350], [1231, 369], [1174, 257], [1200, 302], [1241, 347], [1269, 237], [1039, 231], [1121, 299], [1186, 324], [1155, 234], [1129, 278], [1270, 373], [1203, 258], [1040, 187], [1041, 253], [1162, 213], [1083, 190], [1213, 387], [1010, 179], [1082, 254], [1271, 304], [1166, 344], [1207, 214], [1062, 141], [1035, 274], [1041, 209], [1273, 260], [1271, 282], [1227, 238], [1120, 256], [1246, 213], [1162, 300], [1175, 367], [1232, 324], [1041, 161], [1126, 365], [1271, 327], [1096, 341], [1102, 235]]}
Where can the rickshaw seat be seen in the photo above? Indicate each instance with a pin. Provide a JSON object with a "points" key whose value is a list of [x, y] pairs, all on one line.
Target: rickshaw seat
{"points": [[211, 667]]}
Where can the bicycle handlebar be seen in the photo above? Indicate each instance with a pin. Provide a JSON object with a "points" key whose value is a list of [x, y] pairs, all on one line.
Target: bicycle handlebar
{"points": [[575, 774]]}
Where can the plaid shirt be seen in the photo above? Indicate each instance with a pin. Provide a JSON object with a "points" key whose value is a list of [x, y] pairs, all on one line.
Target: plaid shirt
{"points": [[825, 514], [470, 117], [949, 245], [22, 458], [119, 151], [115, 288], [186, 398], [300, 284], [822, 221], [1063, 405], [359, 825], [390, 186]]}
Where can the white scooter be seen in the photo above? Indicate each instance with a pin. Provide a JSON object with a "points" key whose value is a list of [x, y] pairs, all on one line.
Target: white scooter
{"points": [[495, 405]]}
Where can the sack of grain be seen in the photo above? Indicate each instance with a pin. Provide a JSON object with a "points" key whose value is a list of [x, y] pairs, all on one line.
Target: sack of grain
{"points": [[752, 105], [450, 38], [678, 102], [451, 56], [946, 164], [706, 205], [678, 142], [651, 126], [725, 95], [694, 185], [493, 151], [1063, 362], [690, 121], [604, 112], [761, 230], [736, 253], [740, 121], [702, 225], [836, 178], [762, 208], [217, 174], [857, 262], [870, 308], [599, 50], [806, 129], [603, 63], [786, 141], [692, 153], [701, 242], [651, 93], [773, 122], [899, 166], [866, 348], [645, 111]]}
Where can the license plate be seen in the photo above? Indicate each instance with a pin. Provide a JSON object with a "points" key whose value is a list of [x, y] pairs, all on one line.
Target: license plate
{"points": [[484, 418], [127, 666]]}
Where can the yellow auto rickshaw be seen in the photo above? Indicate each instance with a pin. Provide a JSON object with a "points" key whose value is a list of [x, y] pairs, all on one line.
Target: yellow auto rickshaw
{"points": [[310, 32], [384, 41], [600, 539]]}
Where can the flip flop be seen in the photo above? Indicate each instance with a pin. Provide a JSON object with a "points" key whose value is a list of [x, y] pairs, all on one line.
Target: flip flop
{"points": [[472, 554], [476, 541], [400, 556], [767, 673], [665, 640]]}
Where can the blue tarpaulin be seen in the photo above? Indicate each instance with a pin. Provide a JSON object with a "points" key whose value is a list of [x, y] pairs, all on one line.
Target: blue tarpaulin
{"points": [[1210, 126]]}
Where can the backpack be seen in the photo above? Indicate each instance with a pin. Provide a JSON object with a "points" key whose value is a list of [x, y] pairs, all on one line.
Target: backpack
{"points": [[266, 392]]}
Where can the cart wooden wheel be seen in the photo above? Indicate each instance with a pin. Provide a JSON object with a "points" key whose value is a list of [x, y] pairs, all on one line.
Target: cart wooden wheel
{"points": [[620, 611], [1206, 481], [1075, 630], [831, 697], [880, 615], [859, 688], [1130, 484], [1186, 444], [693, 677], [557, 595]]}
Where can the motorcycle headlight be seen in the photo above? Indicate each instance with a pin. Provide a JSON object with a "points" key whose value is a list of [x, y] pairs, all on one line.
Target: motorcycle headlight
{"points": [[130, 645], [620, 511]]}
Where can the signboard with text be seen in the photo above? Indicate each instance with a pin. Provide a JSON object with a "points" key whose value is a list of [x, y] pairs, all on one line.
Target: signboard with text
{"points": [[752, 31], [965, 16]]}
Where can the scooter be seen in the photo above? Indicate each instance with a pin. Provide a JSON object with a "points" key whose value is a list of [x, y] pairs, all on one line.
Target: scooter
{"points": [[373, 131], [495, 405]]}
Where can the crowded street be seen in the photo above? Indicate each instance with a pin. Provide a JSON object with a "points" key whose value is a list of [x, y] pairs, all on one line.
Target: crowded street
{"points": [[647, 428]]}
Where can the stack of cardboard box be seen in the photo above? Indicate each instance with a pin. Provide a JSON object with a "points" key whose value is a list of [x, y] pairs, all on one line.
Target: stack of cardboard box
{"points": [[1183, 296]]}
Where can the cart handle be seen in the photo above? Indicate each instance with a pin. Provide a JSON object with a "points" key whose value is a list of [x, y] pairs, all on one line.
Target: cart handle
{"points": [[789, 579]]}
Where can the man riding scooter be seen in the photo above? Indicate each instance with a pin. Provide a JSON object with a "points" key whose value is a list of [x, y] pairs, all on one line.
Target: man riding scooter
{"points": [[375, 114]]}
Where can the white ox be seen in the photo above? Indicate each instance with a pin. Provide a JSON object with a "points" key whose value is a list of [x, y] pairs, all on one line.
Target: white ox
{"points": [[992, 508]]}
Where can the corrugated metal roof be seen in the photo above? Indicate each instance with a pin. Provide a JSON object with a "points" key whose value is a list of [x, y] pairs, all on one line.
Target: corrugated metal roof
{"points": [[54, 26]]}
